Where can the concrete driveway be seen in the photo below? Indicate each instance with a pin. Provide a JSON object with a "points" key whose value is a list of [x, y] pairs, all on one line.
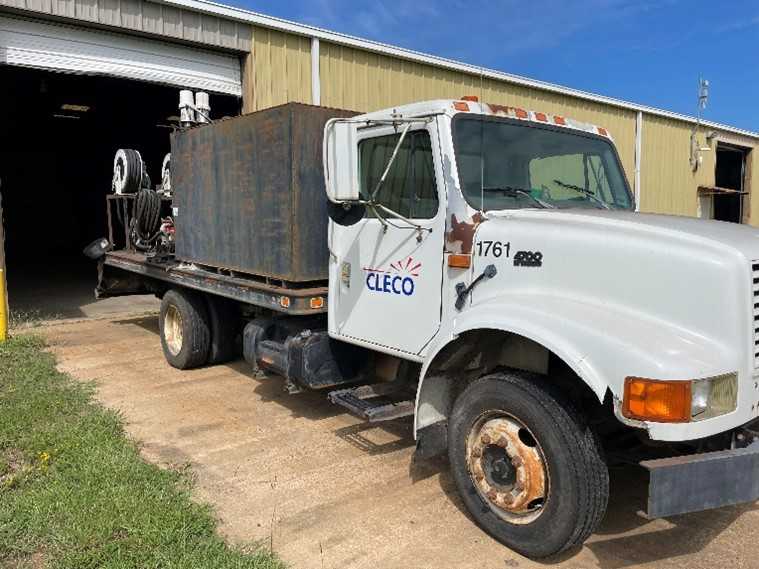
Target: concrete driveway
{"points": [[326, 491]]}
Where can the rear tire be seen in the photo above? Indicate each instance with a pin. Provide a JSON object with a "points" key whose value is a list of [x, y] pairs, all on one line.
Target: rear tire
{"points": [[185, 330], [226, 340], [526, 464]]}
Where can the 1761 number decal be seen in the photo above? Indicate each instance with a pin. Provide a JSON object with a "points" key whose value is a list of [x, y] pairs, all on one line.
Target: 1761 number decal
{"points": [[493, 248]]}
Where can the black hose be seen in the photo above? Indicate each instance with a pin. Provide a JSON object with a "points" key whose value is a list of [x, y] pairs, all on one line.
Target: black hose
{"points": [[146, 219]]}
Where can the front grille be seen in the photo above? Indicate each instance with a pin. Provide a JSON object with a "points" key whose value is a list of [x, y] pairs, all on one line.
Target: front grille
{"points": [[755, 292]]}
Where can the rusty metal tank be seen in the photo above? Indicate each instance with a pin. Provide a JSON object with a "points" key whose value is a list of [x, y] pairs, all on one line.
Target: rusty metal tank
{"points": [[249, 193]]}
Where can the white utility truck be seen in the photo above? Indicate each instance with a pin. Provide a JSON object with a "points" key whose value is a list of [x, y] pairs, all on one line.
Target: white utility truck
{"points": [[483, 271]]}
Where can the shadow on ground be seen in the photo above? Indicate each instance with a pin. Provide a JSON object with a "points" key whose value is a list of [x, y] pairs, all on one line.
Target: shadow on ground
{"points": [[624, 539]]}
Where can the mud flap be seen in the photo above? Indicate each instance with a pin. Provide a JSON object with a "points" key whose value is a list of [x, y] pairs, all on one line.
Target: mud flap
{"points": [[692, 483], [117, 282]]}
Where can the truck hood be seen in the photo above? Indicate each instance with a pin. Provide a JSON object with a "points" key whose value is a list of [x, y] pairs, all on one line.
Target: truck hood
{"points": [[741, 238], [690, 275]]}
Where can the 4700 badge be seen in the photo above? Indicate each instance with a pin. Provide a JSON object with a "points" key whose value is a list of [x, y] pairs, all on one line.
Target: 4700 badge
{"points": [[399, 278]]}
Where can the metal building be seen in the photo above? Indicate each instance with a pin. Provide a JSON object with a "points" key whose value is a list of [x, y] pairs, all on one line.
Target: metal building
{"points": [[82, 78]]}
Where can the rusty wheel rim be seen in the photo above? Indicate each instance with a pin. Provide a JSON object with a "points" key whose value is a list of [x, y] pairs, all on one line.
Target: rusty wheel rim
{"points": [[507, 467], [172, 330]]}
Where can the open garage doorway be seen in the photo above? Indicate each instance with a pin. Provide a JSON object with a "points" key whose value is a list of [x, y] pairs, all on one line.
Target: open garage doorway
{"points": [[59, 137]]}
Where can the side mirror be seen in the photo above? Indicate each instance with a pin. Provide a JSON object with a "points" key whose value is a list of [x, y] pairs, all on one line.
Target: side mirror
{"points": [[341, 161]]}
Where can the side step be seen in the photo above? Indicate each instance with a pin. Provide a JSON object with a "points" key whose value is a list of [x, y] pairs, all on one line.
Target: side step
{"points": [[378, 402]]}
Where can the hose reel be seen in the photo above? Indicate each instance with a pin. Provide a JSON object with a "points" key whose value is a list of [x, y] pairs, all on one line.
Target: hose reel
{"points": [[129, 173], [166, 174]]}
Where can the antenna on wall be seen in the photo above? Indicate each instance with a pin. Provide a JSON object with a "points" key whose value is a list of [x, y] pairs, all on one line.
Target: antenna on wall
{"points": [[695, 147]]}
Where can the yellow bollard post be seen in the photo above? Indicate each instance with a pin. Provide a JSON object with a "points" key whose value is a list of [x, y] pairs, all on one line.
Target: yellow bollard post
{"points": [[3, 307], [3, 288]]}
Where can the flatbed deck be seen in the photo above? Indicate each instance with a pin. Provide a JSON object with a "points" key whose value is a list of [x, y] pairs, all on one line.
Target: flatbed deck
{"points": [[248, 289]]}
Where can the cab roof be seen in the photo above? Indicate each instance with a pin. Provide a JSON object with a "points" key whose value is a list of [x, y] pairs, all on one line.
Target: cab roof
{"points": [[471, 105]]}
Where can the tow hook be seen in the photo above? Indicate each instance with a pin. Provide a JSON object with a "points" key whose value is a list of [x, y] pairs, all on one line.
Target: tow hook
{"points": [[462, 291]]}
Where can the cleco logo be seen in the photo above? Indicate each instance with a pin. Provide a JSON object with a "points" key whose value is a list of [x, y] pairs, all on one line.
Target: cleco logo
{"points": [[399, 279]]}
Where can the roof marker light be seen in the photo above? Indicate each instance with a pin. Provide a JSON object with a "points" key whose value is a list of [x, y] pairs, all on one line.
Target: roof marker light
{"points": [[459, 106], [541, 117], [559, 120], [470, 98], [602, 131], [521, 113]]}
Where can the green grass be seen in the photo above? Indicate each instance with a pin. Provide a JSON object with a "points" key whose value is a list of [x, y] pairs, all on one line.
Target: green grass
{"points": [[74, 491]]}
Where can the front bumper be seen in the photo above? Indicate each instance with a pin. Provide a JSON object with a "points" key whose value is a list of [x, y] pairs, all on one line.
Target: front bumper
{"points": [[697, 482]]}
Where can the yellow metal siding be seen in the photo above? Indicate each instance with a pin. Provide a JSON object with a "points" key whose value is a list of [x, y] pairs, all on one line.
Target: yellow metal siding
{"points": [[278, 69], [668, 184], [363, 81], [752, 178]]}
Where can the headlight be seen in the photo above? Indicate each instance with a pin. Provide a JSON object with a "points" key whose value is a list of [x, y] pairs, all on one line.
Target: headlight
{"points": [[714, 396], [679, 401]]}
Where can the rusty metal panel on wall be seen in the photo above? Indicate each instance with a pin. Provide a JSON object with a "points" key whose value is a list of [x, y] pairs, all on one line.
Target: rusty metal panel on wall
{"points": [[250, 193]]}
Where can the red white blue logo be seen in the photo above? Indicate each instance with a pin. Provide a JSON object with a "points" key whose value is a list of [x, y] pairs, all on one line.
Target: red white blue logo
{"points": [[399, 278]]}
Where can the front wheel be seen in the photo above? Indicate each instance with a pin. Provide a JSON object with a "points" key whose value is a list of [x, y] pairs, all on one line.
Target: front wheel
{"points": [[526, 465]]}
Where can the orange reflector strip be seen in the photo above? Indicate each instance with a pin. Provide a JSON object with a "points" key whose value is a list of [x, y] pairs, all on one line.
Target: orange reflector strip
{"points": [[472, 98], [602, 131], [521, 113], [659, 401], [284, 301], [459, 106], [459, 261], [541, 117], [559, 120], [316, 302]]}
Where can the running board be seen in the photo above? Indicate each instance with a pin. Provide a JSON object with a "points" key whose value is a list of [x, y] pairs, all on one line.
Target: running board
{"points": [[373, 402]]}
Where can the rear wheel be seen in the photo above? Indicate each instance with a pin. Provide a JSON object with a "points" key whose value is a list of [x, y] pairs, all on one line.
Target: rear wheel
{"points": [[185, 330], [527, 466]]}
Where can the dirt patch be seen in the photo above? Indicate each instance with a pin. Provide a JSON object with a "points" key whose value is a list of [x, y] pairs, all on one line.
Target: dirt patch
{"points": [[328, 491], [13, 467], [34, 560]]}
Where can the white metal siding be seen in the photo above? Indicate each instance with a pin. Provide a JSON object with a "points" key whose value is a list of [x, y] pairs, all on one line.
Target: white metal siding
{"points": [[147, 17], [57, 47]]}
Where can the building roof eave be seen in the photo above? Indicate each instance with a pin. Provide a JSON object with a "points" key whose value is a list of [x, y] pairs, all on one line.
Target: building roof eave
{"points": [[250, 17]]}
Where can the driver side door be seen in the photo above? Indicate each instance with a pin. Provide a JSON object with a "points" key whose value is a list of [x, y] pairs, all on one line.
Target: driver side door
{"points": [[385, 274]]}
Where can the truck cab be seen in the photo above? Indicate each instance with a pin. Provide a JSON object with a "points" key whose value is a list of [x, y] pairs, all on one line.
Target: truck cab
{"points": [[500, 250]]}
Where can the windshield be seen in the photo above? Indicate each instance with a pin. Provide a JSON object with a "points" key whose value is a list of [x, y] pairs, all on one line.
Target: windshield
{"points": [[508, 165]]}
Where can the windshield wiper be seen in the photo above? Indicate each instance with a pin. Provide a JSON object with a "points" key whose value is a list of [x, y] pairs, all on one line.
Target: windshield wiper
{"points": [[593, 197], [521, 191]]}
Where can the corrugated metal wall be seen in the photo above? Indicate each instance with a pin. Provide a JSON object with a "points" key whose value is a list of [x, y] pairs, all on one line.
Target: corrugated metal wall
{"points": [[668, 184], [148, 17], [277, 71], [360, 80]]}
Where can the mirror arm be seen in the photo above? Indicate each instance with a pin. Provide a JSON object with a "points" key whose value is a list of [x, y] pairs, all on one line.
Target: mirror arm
{"points": [[390, 162], [419, 229]]}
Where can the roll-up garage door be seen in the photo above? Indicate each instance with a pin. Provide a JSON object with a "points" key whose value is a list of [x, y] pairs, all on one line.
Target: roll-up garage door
{"points": [[74, 49]]}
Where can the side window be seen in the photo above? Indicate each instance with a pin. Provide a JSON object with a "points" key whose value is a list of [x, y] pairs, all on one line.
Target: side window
{"points": [[409, 188]]}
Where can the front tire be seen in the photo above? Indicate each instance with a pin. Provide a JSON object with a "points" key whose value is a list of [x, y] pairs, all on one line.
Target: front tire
{"points": [[184, 327], [526, 464]]}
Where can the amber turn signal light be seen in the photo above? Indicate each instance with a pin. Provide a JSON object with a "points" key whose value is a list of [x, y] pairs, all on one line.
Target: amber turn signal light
{"points": [[658, 401], [459, 261]]}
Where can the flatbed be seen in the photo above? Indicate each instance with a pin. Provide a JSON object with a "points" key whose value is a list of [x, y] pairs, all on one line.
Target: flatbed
{"points": [[264, 293]]}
